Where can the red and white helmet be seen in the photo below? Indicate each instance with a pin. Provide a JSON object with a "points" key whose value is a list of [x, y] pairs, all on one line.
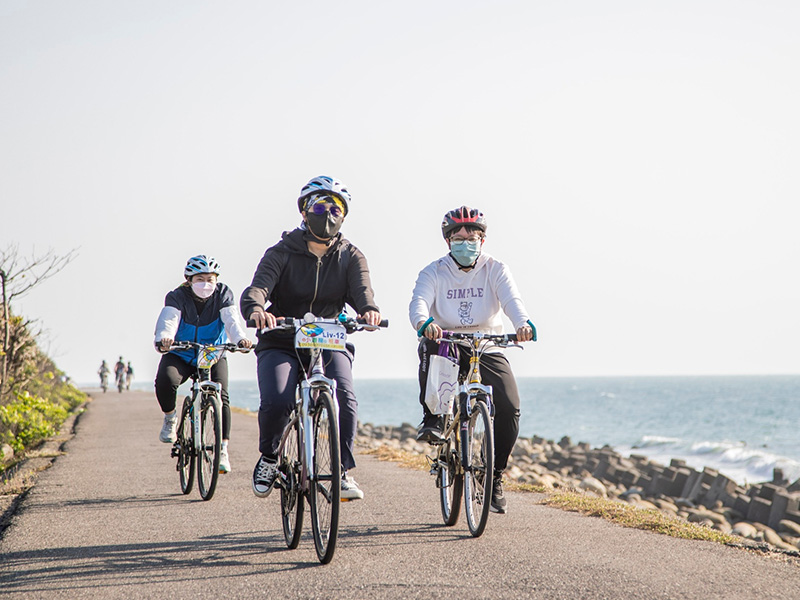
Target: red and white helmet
{"points": [[460, 217]]}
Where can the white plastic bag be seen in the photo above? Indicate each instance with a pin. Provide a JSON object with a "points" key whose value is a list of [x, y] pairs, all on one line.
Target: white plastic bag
{"points": [[442, 385]]}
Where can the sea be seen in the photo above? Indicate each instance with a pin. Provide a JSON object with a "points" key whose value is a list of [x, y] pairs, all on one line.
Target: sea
{"points": [[743, 426]]}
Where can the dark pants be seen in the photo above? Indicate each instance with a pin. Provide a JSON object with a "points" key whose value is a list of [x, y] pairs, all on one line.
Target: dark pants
{"points": [[496, 372], [173, 371], [278, 374]]}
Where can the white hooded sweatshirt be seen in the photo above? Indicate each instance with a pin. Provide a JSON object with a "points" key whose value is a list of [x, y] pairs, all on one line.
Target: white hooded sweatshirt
{"points": [[467, 301]]}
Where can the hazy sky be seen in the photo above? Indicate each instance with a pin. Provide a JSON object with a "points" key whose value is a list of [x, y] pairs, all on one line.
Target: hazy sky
{"points": [[637, 162]]}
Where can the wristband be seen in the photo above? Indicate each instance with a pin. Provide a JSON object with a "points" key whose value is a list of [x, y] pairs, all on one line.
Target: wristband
{"points": [[421, 330]]}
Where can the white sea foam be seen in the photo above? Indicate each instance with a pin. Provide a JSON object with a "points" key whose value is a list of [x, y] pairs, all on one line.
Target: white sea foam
{"points": [[737, 460]]}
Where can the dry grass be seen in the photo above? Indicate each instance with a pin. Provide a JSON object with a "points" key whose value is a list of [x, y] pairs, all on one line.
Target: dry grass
{"points": [[637, 518], [616, 512]]}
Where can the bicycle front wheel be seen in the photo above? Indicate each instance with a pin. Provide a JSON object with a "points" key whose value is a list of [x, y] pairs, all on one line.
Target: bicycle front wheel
{"points": [[292, 499], [325, 493], [478, 448], [210, 446], [185, 447], [450, 480]]}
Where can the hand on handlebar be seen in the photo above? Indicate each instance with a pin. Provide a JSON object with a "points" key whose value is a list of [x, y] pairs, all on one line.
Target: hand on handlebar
{"points": [[165, 344], [372, 317], [524, 334], [245, 343], [263, 319], [432, 331]]}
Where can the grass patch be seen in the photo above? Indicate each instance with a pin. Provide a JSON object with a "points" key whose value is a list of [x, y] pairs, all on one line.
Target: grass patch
{"points": [[616, 512], [637, 518]]}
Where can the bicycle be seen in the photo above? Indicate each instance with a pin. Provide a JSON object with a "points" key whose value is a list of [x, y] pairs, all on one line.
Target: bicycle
{"points": [[309, 457], [104, 382], [121, 381], [464, 460], [199, 435]]}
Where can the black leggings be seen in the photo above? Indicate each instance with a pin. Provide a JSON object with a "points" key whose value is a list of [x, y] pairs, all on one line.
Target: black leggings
{"points": [[496, 372], [173, 371]]}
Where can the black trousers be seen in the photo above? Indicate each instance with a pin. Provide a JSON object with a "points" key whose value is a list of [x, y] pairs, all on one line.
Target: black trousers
{"points": [[496, 372], [173, 371]]}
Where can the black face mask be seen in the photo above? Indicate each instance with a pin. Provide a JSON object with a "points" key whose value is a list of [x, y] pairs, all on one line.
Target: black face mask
{"points": [[324, 226]]}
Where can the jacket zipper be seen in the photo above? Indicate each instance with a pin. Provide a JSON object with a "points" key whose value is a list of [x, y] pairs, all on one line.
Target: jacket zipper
{"points": [[316, 285]]}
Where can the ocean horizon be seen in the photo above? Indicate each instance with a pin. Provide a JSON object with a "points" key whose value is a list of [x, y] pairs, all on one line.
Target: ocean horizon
{"points": [[742, 425]]}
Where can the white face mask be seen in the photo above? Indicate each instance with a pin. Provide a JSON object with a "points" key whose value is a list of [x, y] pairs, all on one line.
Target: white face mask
{"points": [[203, 289]]}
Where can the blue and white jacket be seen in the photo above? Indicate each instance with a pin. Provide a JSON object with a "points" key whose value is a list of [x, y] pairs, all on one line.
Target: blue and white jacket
{"points": [[218, 322]]}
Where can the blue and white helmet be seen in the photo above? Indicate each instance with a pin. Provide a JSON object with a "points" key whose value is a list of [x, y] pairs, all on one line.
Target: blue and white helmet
{"points": [[201, 264], [324, 186]]}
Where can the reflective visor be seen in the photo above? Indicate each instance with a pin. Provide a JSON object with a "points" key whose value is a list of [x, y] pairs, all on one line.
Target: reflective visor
{"points": [[320, 204]]}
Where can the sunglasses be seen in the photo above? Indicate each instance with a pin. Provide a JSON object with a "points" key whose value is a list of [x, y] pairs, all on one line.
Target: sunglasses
{"points": [[323, 204]]}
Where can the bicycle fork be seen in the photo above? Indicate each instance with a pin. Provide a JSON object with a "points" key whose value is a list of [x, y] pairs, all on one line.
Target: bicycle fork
{"points": [[198, 390]]}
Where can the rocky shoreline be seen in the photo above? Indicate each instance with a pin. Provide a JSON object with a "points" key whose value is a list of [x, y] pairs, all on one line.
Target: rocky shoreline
{"points": [[762, 512]]}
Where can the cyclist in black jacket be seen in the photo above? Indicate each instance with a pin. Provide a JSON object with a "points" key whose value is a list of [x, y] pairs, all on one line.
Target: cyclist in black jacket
{"points": [[312, 269]]}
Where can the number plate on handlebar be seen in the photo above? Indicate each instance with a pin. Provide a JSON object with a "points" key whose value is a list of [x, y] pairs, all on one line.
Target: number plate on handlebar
{"points": [[325, 336], [209, 356]]}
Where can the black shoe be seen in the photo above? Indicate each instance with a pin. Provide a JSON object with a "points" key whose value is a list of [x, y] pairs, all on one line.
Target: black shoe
{"points": [[430, 430], [498, 503]]}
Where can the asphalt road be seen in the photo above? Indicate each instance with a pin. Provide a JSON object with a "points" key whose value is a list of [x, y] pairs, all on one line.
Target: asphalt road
{"points": [[107, 520]]}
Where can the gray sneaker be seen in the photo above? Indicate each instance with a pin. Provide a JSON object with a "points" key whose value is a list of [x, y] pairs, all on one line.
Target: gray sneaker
{"points": [[264, 476], [168, 435], [350, 489]]}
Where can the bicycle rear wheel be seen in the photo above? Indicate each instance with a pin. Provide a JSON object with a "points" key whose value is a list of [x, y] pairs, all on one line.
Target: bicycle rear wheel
{"points": [[210, 446], [450, 480], [478, 448], [292, 499], [185, 448], [325, 493]]}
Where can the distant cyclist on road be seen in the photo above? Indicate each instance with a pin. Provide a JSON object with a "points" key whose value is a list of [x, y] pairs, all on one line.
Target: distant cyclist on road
{"points": [[465, 291], [119, 371], [128, 376], [312, 269], [103, 372], [202, 310]]}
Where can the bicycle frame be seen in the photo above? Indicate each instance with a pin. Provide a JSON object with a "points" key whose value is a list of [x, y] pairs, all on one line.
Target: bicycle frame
{"points": [[201, 383], [313, 378]]}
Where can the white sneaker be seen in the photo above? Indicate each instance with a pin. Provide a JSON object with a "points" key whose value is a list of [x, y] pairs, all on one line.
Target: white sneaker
{"points": [[167, 434], [350, 489], [224, 461], [264, 476]]}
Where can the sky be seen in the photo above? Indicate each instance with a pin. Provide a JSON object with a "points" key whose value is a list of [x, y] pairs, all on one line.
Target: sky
{"points": [[636, 161]]}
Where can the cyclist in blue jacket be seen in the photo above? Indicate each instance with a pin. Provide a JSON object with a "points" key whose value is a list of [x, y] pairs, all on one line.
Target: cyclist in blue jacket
{"points": [[199, 310]]}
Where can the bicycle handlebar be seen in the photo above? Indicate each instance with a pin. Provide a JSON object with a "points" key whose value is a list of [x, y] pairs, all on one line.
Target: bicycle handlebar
{"points": [[290, 322], [421, 331], [190, 345]]}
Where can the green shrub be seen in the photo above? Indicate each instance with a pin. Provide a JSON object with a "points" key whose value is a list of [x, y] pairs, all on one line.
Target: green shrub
{"points": [[29, 419]]}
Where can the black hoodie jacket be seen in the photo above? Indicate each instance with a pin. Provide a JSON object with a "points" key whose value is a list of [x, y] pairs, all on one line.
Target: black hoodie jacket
{"points": [[296, 282]]}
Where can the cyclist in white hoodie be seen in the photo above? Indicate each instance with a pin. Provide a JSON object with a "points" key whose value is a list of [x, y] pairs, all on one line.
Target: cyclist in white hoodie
{"points": [[464, 291]]}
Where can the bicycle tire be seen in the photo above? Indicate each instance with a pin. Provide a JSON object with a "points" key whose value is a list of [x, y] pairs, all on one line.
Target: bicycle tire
{"points": [[210, 447], [325, 487], [478, 448], [186, 453], [292, 498], [450, 479]]}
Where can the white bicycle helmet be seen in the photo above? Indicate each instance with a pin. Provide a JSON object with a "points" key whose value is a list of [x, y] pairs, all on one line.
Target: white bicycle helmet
{"points": [[324, 186], [201, 264]]}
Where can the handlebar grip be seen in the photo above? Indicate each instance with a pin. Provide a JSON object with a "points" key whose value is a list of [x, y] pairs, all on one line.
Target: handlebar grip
{"points": [[383, 323], [282, 322]]}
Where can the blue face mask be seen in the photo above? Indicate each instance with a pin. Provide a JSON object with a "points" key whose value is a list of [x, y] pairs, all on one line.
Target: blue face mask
{"points": [[465, 253]]}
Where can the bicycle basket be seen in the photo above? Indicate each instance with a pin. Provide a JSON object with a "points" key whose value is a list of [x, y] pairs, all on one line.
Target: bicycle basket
{"points": [[209, 356]]}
